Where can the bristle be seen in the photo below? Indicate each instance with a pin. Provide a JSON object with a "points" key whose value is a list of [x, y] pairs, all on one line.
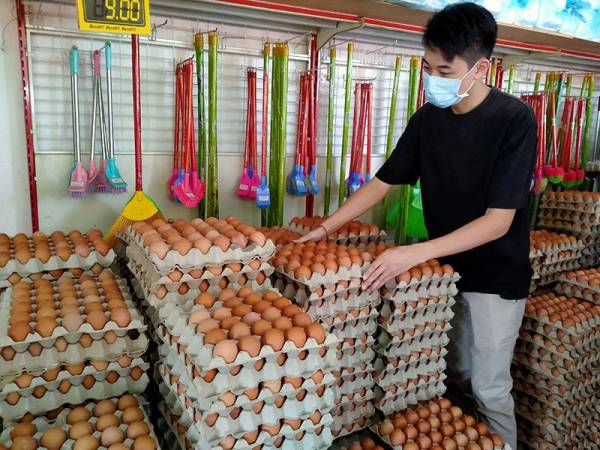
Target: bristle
{"points": [[78, 194], [117, 190], [121, 223]]}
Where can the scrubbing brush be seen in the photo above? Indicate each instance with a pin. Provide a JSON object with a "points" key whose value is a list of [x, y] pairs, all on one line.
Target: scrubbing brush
{"points": [[78, 176]]}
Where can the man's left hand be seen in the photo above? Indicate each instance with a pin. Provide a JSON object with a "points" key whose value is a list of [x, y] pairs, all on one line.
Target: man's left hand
{"points": [[391, 263]]}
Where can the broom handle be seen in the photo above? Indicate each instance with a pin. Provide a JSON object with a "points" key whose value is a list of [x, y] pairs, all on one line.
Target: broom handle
{"points": [[108, 63], [265, 106], [74, 62], [137, 109], [176, 127]]}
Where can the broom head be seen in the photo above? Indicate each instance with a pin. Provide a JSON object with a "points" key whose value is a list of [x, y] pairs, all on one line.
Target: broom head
{"points": [[140, 208], [79, 181]]}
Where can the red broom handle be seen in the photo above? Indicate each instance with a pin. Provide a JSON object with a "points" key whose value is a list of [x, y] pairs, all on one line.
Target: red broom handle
{"points": [[566, 160], [192, 135], [580, 106], [176, 127], [553, 129], [137, 109], [370, 127], [265, 105]]}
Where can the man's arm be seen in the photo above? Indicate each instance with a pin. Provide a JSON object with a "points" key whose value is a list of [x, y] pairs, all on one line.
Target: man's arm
{"points": [[361, 201], [494, 224]]}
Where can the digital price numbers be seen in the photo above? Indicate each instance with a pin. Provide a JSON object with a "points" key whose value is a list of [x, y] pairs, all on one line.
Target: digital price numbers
{"points": [[114, 16]]}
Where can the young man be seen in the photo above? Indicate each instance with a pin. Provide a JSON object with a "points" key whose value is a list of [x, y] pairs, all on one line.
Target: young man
{"points": [[473, 148]]}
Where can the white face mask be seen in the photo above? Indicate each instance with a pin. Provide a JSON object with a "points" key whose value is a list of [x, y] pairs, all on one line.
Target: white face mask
{"points": [[443, 92]]}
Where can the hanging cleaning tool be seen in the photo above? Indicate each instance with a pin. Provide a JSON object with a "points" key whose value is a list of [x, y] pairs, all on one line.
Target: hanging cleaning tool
{"points": [[330, 127], [263, 194], [177, 174], [202, 132], [356, 179], [118, 185], [190, 191], [212, 168], [511, 79], [536, 82], [253, 176], [312, 185], [578, 172], [589, 113], [78, 177], [567, 145], [97, 181], [553, 171], [140, 208], [387, 221], [346, 125], [244, 189], [295, 184]]}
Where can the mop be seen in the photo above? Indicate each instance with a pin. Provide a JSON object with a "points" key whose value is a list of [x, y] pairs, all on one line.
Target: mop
{"points": [[263, 194], [78, 176], [113, 175], [140, 208]]}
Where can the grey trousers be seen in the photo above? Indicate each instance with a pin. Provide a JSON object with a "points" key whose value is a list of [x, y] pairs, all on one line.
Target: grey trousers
{"points": [[482, 341]]}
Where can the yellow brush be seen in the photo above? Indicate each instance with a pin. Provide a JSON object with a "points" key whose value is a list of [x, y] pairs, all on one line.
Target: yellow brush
{"points": [[140, 208]]}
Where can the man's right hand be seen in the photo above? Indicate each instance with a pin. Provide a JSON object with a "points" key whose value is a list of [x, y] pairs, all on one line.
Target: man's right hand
{"points": [[318, 234]]}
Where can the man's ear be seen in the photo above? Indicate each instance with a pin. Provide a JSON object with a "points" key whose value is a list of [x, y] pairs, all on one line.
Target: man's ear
{"points": [[483, 67]]}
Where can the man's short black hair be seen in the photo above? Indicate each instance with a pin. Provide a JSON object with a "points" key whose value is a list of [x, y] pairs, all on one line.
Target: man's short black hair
{"points": [[463, 29]]}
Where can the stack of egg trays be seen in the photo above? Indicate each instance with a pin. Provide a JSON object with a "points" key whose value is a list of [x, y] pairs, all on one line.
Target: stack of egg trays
{"points": [[42, 423], [337, 302], [194, 258], [579, 288], [414, 318], [182, 350], [536, 258], [352, 239], [564, 364], [180, 283], [47, 390], [35, 265], [41, 353]]}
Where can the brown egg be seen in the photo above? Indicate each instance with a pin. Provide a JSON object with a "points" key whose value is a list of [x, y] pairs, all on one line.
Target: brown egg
{"points": [[78, 414], [132, 414], [214, 336], [111, 435], [126, 401], [144, 443], [461, 439], [136, 429], [107, 420], [239, 330], [86, 443], [23, 429], [23, 381], [397, 437], [206, 325], [222, 242], [485, 443], [54, 438], [271, 313], [241, 310], [197, 317], [497, 440], [71, 321], [19, 330], [96, 319], [121, 316], [316, 331], [260, 327], [297, 335], [301, 320], [24, 443], [79, 429], [273, 338], [226, 349], [282, 323]]}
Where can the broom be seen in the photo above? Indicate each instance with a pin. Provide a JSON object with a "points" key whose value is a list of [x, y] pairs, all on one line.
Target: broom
{"points": [[78, 177], [140, 208]]}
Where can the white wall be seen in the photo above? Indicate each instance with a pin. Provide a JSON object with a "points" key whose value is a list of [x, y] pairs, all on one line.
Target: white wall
{"points": [[14, 187]]}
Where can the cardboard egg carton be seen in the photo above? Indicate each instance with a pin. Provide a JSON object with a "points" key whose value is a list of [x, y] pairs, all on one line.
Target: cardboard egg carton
{"points": [[227, 421], [351, 428], [388, 404], [549, 369], [585, 333], [574, 290], [213, 383], [552, 269], [210, 437], [399, 377], [394, 319], [589, 218], [563, 355], [353, 273], [585, 386], [342, 417], [303, 293], [176, 331], [42, 423], [583, 280], [353, 354], [350, 234], [573, 350], [360, 386], [36, 265], [562, 416], [215, 256], [384, 365], [48, 396], [578, 228], [178, 381], [280, 235], [434, 285], [396, 346], [553, 398], [38, 358], [352, 324], [592, 209]]}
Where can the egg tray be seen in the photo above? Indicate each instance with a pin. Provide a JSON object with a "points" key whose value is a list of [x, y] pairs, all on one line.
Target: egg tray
{"points": [[587, 327], [576, 356], [554, 417], [178, 381], [232, 420], [554, 268], [147, 272], [433, 281], [359, 383], [413, 294], [388, 404], [352, 238], [394, 346], [584, 284], [50, 357], [181, 434], [569, 215], [395, 321], [354, 272], [175, 326], [550, 369], [346, 325], [573, 290], [591, 209], [42, 423], [352, 416], [78, 393], [573, 228], [351, 355], [35, 265], [350, 428], [586, 385], [569, 400], [384, 366], [560, 257], [399, 377], [279, 235], [195, 258], [209, 437], [302, 293]]}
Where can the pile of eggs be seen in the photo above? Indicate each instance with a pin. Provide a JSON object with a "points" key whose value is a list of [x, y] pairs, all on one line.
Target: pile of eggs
{"points": [[115, 424], [572, 197], [548, 241], [38, 308], [280, 235], [552, 253], [555, 372], [437, 425], [353, 228], [181, 236], [246, 321], [41, 247], [584, 284], [572, 211], [425, 271]]}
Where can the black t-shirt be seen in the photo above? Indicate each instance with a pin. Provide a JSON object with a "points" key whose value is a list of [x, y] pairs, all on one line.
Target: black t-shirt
{"points": [[468, 163]]}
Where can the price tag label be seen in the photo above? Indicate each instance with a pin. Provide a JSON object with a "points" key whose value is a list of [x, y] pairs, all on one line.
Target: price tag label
{"points": [[114, 16]]}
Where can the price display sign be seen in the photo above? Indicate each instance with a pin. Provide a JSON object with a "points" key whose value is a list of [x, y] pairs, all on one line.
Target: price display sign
{"points": [[114, 16]]}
